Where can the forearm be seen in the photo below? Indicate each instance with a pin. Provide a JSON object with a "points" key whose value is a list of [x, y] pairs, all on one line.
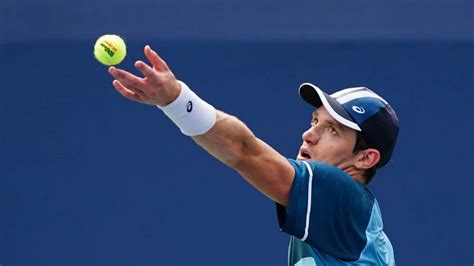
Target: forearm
{"points": [[234, 144], [229, 140]]}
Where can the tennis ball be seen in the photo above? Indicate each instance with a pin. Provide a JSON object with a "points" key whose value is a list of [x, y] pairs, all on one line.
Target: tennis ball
{"points": [[110, 49]]}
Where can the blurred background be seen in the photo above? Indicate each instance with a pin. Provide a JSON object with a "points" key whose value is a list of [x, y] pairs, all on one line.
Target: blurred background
{"points": [[88, 177]]}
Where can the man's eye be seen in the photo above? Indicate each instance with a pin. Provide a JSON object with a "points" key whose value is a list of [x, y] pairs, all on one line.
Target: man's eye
{"points": [[332, 130], [314, 121]]}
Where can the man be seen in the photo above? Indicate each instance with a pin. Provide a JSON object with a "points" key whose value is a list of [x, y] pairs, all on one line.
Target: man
{"points": [[321, 197]]}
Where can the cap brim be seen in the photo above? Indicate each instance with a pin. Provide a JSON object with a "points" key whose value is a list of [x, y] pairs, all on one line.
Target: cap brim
{"points": [[317, 98]]}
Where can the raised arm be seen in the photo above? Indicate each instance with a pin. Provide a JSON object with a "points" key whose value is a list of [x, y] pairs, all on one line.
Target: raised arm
{"points": [[234, 144], [228, 140]]}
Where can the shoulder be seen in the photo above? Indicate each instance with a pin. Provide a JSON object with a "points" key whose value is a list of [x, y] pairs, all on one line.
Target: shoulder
{"points": [[321, 170], [328, 209], [332, 179]]}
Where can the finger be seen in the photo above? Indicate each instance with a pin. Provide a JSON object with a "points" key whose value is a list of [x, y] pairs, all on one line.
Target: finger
{"points": [[127, 93], [124, 91], [141, 94], [126, 78], [146, 70], [155, 59]]}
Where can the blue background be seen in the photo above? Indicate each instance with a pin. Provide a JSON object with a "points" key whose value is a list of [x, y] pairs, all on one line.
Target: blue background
{"points": [[88, 177]]}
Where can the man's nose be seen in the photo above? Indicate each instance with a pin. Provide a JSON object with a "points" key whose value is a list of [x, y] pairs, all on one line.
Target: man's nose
{"points": [[310, 136]]}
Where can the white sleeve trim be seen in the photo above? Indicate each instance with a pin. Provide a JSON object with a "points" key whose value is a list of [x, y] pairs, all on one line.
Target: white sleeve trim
{"points": [[308, 207]]}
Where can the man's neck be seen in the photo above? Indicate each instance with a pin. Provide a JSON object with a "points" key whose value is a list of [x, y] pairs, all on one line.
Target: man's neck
{"points": [[356, 174]]}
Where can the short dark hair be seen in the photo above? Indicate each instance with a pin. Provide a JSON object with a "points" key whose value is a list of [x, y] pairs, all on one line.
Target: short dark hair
{"points": [[359, 146]]}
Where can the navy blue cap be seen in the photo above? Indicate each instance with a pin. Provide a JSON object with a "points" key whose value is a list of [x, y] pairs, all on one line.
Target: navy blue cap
{"points": [[360, 109]]}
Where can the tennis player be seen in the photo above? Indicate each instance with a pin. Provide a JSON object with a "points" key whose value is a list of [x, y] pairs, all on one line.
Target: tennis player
{"points": [[321, 197]]}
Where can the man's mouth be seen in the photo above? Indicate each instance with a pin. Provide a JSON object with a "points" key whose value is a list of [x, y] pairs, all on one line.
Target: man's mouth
{"points": [[303, 155]]}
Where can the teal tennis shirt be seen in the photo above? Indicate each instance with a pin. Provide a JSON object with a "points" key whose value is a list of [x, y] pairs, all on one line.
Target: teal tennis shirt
{"points": [[332, 219]]}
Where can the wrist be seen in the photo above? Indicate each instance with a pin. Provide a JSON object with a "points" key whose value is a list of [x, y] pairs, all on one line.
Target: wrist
{"points": [[190, 113], [172, 95]]}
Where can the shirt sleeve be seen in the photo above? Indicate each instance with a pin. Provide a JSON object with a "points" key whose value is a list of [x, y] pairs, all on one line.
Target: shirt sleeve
{"points": [[327, 209]]}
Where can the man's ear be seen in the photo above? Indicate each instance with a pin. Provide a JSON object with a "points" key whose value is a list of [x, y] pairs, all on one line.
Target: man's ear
{"points": [[366, 159]]}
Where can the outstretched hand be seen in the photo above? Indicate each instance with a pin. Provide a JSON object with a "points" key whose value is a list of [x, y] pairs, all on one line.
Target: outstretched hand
{"points": [[157, 87]]}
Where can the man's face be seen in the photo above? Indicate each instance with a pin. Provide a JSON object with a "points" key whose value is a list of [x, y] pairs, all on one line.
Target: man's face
{"points": [[328, 141]]}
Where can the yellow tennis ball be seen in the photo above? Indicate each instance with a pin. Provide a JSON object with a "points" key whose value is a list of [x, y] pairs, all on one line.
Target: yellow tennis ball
{"points": [[110, 49]]}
